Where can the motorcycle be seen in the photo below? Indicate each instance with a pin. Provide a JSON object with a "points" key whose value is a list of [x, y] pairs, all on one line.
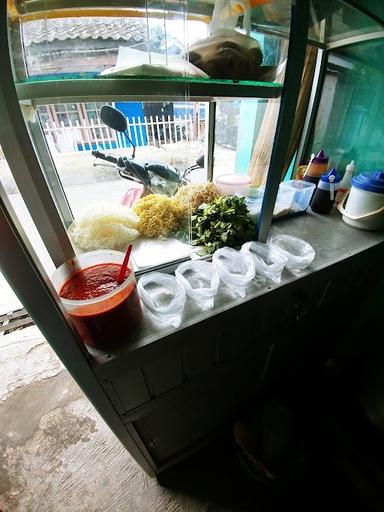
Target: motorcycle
{"points": [[155, 177]]}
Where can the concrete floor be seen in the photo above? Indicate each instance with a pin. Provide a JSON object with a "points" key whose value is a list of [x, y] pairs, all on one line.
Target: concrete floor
{"points": [[56, 453]]}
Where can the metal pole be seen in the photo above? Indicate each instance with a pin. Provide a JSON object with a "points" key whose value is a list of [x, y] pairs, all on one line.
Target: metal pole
{"points": [[49, 168], [21, 268], [210, 120], [22, 159], [290, 94], [313, 105], [350, 41]]}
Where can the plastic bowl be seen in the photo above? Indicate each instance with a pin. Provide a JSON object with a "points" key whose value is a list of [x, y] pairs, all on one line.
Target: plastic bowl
{"points": [[104, 322], [232, 184]]}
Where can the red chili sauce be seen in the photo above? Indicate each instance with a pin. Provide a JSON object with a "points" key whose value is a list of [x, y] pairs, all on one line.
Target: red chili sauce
{"points": [[105, 324]]}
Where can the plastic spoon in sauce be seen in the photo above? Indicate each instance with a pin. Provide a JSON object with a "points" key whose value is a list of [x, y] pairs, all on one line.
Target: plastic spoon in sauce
{"points": [[123, 268]]}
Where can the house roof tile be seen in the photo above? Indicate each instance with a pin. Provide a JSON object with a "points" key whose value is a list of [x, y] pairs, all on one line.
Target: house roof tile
{"points": [[47, 30]]}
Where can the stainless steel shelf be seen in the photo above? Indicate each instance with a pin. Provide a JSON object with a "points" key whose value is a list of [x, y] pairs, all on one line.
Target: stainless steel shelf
{"points": [[136, 89], [333, 241]]}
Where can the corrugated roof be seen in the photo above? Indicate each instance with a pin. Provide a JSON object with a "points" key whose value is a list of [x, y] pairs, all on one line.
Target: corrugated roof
{"points": [[48, 30]]}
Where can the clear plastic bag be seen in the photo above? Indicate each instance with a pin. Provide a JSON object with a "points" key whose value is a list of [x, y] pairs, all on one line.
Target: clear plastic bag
{"points": [[228, 53], [236, 270], [200, 281], [300, 253], [163, 297], [226, 14], [269, 261]]}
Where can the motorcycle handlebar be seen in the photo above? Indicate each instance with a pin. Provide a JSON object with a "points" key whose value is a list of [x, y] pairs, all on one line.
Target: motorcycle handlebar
{"points": [[102, 156]]}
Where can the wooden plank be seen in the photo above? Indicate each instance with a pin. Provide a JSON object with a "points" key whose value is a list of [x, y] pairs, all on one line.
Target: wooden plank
{"points": [[13, 314], [11, 326]]}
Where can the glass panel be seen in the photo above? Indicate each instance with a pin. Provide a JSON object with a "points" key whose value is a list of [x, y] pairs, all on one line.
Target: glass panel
{"points": [[244, 133], [349, 123], [152, 42], [94, 45], [372, 6], [340, 21], [171, 133], [10, 188]]}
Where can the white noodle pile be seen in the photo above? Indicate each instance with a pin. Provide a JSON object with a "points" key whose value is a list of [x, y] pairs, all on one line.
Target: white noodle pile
{"points": [[104, 226]]}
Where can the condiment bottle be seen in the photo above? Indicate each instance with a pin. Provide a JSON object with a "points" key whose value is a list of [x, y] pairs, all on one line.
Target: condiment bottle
{"points": [[324, 196], [346, 182], [316, 167]]}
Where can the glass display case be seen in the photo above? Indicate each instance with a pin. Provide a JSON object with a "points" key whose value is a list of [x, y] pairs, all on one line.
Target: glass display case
{"points": [[71, 61], [122, 124]]}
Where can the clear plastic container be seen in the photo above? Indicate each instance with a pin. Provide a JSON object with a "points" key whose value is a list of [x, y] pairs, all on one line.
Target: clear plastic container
{"points": [[104, 322], [200, 281], [299, 194], [269, 261], [300, 253], [293, 196], [236, 270], [163, 297]]}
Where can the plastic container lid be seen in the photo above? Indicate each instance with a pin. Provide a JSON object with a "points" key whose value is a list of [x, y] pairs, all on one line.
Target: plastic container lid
{"points": [[370, 181], [233, 179], [326, 176], [297, 185], [320, 158]]}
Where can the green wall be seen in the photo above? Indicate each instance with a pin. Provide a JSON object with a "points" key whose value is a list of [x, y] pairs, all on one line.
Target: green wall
{"points": [[350, 120]]}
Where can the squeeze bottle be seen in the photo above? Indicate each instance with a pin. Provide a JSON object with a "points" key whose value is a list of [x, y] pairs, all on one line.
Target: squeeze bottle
{"points": [[346, 182]]}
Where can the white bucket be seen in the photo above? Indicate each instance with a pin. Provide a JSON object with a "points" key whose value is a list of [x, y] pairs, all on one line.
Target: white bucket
{"points": [[365, 208]]}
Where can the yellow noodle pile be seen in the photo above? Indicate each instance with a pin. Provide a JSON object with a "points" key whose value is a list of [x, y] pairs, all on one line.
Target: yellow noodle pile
{"points": [[159, 215]]}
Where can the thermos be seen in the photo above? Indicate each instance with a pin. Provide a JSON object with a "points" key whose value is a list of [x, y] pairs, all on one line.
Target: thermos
{"points": [[324, 196]]}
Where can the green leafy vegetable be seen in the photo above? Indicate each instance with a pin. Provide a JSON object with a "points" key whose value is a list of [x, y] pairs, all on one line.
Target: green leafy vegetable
{"points": [[224, 222]]}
